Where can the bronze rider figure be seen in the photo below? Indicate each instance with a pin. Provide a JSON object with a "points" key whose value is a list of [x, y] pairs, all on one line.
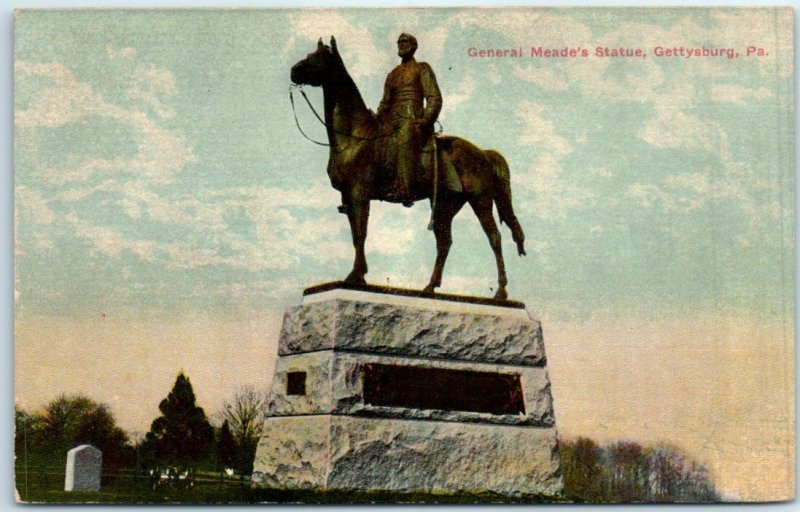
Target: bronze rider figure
{"points": [[410, 106]]}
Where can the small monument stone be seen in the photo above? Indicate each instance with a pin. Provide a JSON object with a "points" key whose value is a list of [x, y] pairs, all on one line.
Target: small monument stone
{"points": [[84, 465]]}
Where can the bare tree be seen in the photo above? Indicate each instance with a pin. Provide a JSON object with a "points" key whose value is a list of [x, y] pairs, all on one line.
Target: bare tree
{"points": [[627, 471], [583, 471], [245, 416], [674, 478]]}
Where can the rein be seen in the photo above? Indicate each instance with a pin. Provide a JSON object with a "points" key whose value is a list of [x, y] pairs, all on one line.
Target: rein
{"points": [[351, 136], [322, 121], [294, 111]]}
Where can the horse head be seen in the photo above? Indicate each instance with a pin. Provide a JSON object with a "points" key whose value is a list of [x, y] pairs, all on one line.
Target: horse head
{"points": [[318, 67]]}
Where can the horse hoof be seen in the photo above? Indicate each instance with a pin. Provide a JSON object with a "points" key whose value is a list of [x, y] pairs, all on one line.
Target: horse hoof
{"points": [[501, 294], [355, 280], [428, 290]]}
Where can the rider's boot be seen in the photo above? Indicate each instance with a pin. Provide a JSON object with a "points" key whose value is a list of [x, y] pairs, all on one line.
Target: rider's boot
{"points": [[406, 191]]}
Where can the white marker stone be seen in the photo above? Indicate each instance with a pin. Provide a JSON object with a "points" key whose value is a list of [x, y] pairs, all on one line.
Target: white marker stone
{"points": [[84, 465]]}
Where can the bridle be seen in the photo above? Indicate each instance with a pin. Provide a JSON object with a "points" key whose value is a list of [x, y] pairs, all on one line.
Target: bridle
{"points": [[294, 111], [356, 137], [319, 118], [322, 121]]}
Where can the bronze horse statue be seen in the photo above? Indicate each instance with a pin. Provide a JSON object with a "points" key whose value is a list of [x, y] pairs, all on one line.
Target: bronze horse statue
{"points": [[355, 140]]}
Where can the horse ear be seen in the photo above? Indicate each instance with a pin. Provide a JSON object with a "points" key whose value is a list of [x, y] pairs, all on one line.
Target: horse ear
{"points": [[333, 45], [319, 43]]}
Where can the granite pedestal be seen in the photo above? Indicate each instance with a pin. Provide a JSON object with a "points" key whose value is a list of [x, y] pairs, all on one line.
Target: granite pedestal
{"points": [[378, 390]]}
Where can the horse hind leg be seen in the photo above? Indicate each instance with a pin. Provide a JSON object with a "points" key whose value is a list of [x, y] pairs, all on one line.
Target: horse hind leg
{"points": [[507, 216], [501, 192], [483, 210]]}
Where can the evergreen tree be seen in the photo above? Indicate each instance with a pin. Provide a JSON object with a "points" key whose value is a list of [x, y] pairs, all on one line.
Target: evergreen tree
{"points": [[226, 446], [182, 434]]}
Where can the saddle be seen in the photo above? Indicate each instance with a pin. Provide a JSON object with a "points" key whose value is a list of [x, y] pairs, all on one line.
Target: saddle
{"points": [[428, 165]]}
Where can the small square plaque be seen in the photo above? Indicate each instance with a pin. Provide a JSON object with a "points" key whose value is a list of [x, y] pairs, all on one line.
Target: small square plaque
{"points": [[296, 383]]}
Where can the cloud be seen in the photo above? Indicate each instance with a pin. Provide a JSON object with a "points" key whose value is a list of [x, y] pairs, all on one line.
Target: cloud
{"points": [[647, 195], [136, 187], [674, 96], [123, 53], [771, 29], [715, 186], [731, 93], [546, 178], [727, 178], [465, 92], [526, 27], [539, 131], [279, 235], [687, 193], [149, 84], [355, 43], [392, 230], [672, 128], [432, 39], [33, 201], [432, 43], [160, 155], [64, 102], [544, 77], [42, 242], [109, 241], [267, 252]]}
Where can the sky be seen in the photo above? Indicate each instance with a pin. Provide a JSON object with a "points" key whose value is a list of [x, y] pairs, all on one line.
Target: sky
{"points": [[167, 211]]}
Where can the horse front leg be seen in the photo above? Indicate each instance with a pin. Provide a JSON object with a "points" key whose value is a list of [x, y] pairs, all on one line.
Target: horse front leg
{"points": [[442, 229], [358, 215]]}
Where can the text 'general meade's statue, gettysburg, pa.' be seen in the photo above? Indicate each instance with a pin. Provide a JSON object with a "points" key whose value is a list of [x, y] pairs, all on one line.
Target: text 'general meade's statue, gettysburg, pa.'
{"points": [[394, 156]]}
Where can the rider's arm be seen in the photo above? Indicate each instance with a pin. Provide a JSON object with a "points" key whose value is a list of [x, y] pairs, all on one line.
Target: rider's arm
{"points": [[433, 97], [386, 101]]}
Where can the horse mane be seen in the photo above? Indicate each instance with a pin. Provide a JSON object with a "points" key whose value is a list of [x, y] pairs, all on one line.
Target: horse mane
{"points": [[347, 83]]}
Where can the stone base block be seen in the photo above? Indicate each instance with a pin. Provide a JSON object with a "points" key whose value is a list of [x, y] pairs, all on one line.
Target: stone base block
{"points": [[351, 453], [334, 384], [433, 329]]}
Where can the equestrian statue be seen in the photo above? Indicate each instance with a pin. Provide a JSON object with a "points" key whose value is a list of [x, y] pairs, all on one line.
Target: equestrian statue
{"points": [[395, 156]]}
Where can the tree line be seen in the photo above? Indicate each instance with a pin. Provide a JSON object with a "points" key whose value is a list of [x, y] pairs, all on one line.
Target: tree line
{"points": [[626, 472], [622, 471], [183, 435]]}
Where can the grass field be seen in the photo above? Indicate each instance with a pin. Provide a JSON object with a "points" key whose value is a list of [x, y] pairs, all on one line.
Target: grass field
{"points": [[128, 487]]}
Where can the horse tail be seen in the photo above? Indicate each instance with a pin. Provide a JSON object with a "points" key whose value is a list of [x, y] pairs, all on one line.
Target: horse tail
{"points": [[501, 191]]}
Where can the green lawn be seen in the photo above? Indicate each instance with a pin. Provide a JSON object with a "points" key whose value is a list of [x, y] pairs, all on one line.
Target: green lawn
{"points": [[125, 487]]}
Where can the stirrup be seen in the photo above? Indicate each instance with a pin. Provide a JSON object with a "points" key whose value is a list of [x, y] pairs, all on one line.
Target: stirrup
{"points": [[342, 209]]}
